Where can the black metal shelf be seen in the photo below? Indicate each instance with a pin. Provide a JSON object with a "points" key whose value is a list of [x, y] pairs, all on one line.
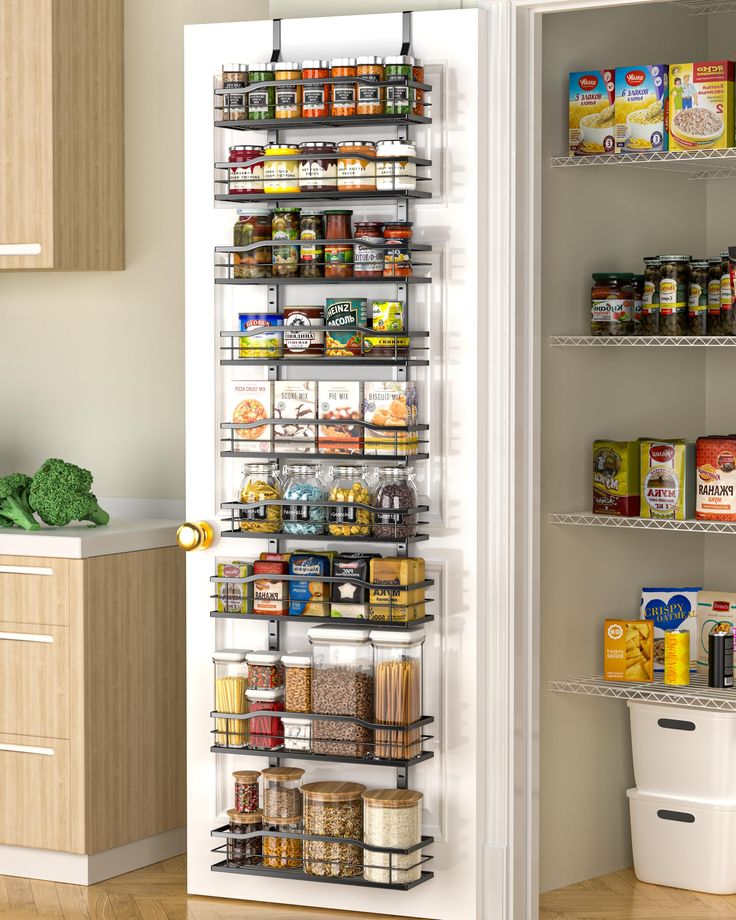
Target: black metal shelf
{"points": [[324, 361], [325, 537], [281, 754], [303, 877], [267, 198], [329, 121], [316, 458], [347, 622], [353, 279]]}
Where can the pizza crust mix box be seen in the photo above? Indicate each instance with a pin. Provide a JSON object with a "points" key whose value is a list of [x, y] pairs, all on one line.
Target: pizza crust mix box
{"points": [[628, 648], [591, 113], [248, 401]]}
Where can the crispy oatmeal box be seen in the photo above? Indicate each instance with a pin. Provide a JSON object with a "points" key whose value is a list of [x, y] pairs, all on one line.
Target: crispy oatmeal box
{"points": [[248, 401]]}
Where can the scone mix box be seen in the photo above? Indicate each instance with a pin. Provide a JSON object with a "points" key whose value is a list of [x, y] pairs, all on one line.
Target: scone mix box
{"points": [[628, 650], [713, 607], [701, 115], [641, 108], [295, 399], [591, 118], [667, 479], [249, 401], [342, 401], [716, 478], [670, 609], [616, 478]]}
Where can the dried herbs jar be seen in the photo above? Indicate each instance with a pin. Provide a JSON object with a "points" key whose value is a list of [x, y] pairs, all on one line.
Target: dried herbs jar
{"points": [[612, 303], [396, 175], [333, 810], [266, 730], [698, 300], [396, 493], [264, 670], [261, 100], [247, 794], [259, 487], [674, 288], [245, 852], [282, 792], [282, 852], [650, 300], [230, 688], [397, 681], [392, 818]]}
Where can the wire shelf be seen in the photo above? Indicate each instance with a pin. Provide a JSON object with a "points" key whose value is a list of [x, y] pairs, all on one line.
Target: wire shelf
{"points": [[367, 195], [697, 164], [298, 875], [698, 695], [644, 341], [706, 7], [588, 519]]}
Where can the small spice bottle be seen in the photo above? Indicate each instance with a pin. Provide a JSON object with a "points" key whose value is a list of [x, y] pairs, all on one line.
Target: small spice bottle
{"points": [[288, 95], [344, 93], [245, 852], [338, 256], [315, 96], [264, 670], [714, 296], [261, 100], [282, 852], [650, 300], [247, 793], [612, 303], [370, 97], [674, 287], [282, 792], [397, 257], [392, 818], [399, 69], [356, 166], [368, 255], [698, 300], [297, 682], [234, 76]]}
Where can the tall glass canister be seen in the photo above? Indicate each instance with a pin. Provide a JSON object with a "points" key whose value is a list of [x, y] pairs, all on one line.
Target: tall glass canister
{"points": [[392, 818], [398, 690], [231, 681]]}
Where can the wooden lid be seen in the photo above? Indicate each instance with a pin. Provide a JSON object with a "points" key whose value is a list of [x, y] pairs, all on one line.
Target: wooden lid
{"points": [[283, 773], [392, 798], [246, 776], [333, 792], [235, 817]]}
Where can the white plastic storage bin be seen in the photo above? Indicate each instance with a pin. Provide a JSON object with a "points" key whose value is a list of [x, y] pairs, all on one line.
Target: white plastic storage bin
{"points": [[683, 844], [682, 752]]}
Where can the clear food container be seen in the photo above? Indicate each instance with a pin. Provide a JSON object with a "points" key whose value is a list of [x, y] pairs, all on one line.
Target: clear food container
{"points": [[333, 810], [297, 682], [247, 791], [350, 487], [342, 684], [282, 792], [297, 734], [396, 491], [392, 818], [282, 852], [266, 730], [398, 690], [245, 852], [230, 686], [260, 484], [264, 670]]}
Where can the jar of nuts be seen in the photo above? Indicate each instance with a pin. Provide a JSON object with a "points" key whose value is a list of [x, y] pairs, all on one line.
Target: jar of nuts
{"points": [[298, 682], [674, 288], [282, 792], [350, 488]]}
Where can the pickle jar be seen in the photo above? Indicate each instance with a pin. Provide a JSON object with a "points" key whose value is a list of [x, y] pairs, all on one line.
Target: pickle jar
{"points": [[282, 792], [397, 254], [288, 94], [714, 296], [349, 487], [234, 76], [282, 852], [650, 300], [285, 256], [297, 682], [260, 484], [727, 312], [344, 92], [245, 851], [638, 285], [247, 792], [392, 819], [399, 70], [262, 100], [312, 257], [395, 501], [338, 254], [253, 226], [370, 96], [333, 809], [612, 303], [231, 682], [698, 299], [674, 290]]}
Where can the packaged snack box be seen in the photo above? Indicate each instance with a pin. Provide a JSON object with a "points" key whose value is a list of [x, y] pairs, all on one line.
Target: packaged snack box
{"points": [[340, 401], [249, 401], [667, 480], [713, 607], [616, 478], [670, 609], [701, 105], [295, 399], [269, 596], [348, 599], [628, 647], [592, 119], [716, 478], [390, 404], [641, 108], [395, 573], [234, 598], [309, 597]]}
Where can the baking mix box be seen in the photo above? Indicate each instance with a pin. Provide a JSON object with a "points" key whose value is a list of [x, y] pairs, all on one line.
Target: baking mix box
{"points": [[641, 108], [616, 478], [716, 478], [670, 609], [591, 112], [249, 401], [340, 401], [667, 479], [297, 400], [390, 404], [701, 101]]}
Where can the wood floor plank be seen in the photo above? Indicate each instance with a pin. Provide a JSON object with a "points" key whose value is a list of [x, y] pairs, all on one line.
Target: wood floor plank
{"points": [[124, 905], [73, 901], [20, 895], [151, 909], [46, 899], [98, 904]]}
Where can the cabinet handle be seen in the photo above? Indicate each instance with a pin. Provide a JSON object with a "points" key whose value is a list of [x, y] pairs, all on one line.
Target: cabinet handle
{"points": [[26, 637], [683, 816], [680, 725], [20, 249], [27, 749], [24, 570]]}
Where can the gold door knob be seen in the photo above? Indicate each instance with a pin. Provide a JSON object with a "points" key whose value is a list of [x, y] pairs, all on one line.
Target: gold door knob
{"points": [[195, 535]]}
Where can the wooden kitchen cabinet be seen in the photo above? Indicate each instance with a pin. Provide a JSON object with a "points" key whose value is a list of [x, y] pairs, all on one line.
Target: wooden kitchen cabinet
{"points": [[61, 122]]}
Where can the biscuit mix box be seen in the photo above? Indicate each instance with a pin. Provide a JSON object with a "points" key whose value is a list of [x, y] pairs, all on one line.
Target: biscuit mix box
{"points": [[591, 112], [390, 405], [701, 100]]}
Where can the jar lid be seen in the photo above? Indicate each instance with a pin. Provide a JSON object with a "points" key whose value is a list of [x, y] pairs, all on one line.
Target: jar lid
{"points": [[334, 634], [237, 817], [399, 472], [283, 773], [342, 62], [295, 720], [399, 59], [282, 822], [296, 660], [701, 263], [245, 147], [715, 259], [254, 212], [276, 694], [309, 212], [399, 223], [246, 776], [678, 258], [353, 471], [258, 468], [339, 211], [314, 65], [724, 254], [264, 657], [227, 68], [392, 798], [262, 65], [333, 791], [394, 637], [651, 258], [287, 65], [286, 210], [369, 59], [612, 276], [282, 149], [351, 144], [318, 144], [225, 655]]}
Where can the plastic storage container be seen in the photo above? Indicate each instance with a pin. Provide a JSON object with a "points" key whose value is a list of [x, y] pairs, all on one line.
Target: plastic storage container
{"points": [[297, 682], [266, 731], [333, 810], [297, 734], [247, 791], [392, 818], [264, 670], [282, 852], [282, 792], [245, 852], [699, 744], [342, 684], [230, 686], [398, 690], [682, 843]]}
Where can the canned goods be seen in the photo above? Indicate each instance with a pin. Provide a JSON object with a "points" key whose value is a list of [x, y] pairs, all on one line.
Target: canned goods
{"points": [[677, 658], [368, 257], [720, 656], [299, 339], [265, 344]]}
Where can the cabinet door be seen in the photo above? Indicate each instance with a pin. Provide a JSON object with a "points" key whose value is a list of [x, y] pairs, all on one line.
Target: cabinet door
{"points": [[26, 128], [36, 590]]}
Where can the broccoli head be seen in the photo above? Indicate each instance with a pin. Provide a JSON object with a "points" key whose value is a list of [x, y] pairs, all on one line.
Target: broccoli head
{"points": [[60, 493], [14, 506]]}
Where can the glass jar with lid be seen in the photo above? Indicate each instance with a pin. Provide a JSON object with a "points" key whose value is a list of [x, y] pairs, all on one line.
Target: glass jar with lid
{"points": [[260, 484], [398, 691], [304, 484], [281, 175], [396, 175], [349, 487], [311, 257], [674, 289], [298, 682], [261, 99], [285, 228], [728, 326], [282, 852], [246, 851], [231, 681], [395, 494], [342, 684], [318, 168], [714, 296], [650, 300], [397, 255], [316, 96], [282, 792], [369, 70], [637, 283], [356, 166], [264, 670], [333, 809], [698, 300], [234, 76], [392, 818], [247, 791], [612, 303], [266, 730], [252, 226], [417, 95], [245, 179], [288, 94], [338, 255], [368, 255], [399, 71], [344, 92]]}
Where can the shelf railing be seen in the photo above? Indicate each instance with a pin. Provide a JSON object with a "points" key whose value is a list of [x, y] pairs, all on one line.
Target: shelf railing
{"points": [[697, 695], [642, 341], [588, 519], [697, 164]]}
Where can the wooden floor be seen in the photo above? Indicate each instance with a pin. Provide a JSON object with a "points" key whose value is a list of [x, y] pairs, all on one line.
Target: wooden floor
{"points": [[155, 893]]}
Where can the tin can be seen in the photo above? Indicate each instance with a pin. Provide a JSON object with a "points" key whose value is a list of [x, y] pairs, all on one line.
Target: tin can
{"points": [[677, 658], [387, 317], [265, 344], [299, 339], [720, 656], [345, 313]]}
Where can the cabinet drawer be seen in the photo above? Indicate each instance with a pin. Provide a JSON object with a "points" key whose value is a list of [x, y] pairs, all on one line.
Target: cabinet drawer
{"points": [[34, 680], [35, 590], [35, 794]]}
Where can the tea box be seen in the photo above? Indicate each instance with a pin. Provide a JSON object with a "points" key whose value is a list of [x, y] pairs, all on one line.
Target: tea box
{"points": [[641, 108], [233, 598], [701, 101], [249, 402], [340, 401], [671, 609], [616, 478], [716, 479], [591, 112], [628, 648], [667, 479], [295, 400]]}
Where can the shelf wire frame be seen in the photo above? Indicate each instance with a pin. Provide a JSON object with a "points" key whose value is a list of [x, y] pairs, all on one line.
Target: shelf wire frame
{"points": [[698, 695], [588, 519], [697, 164], [643, 341], [706, 7]]}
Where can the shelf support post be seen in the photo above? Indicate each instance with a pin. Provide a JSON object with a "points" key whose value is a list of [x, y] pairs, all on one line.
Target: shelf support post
{"points": [[276, 52]]}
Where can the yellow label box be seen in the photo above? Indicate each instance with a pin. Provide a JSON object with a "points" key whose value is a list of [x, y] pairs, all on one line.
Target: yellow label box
{"points": [[628, 648]]}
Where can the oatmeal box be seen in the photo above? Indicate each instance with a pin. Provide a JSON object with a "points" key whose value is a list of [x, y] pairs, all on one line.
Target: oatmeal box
{"points": [[701, 100], [591, 107], [641, 108]]}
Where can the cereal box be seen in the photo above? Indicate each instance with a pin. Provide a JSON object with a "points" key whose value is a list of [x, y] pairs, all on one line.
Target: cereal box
{"points": [[701, 105], [713, 607], [628, 647], [295, 399], [668, 609], [667, 479], [390, 404], [716, 479], [248, 401], [233, 598], [340, 401], [641, 108], [591, 118], [616, 478]]}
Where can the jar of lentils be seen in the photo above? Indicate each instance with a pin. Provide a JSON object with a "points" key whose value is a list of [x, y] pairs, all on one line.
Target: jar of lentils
{"points": [[650, 300], [714, 296], [282, 792], [333, 809], [612, 303], [245, 852], [674, 288], [698, 300], [247, 797]]}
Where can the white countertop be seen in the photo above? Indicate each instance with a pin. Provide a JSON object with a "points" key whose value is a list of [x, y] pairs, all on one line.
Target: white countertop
{"points": [[121, 535]]}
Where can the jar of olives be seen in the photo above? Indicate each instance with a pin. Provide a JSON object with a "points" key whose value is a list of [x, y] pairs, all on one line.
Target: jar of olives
{"points": [[674, 288], [697, 306], [714, 296], [638, 285], [260, 484], [650, 298], [612, 303], [349, 487], [728, 323]]}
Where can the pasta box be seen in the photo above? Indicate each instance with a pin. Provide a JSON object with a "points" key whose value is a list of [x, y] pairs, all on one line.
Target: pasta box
{"points": [[591, 112], [641, 108]]}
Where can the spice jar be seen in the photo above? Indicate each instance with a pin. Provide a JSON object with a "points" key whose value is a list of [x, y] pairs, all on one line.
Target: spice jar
{"points": [[280, 176], [247, 797], [338, 256], [674, 287], [304, 484], [316, 96], [398, 72], [288, 95], [396, 175], [252, 226], [370, 96], [344, 92], [285, 226], [396, 490], [333, 810], [266, 730], [728, 326], [397, 255], [356, 166], [297, 734], [392, 818], [297, 682], [398, 691], [312, 258], [714, 296], [244, 179], [368, 255], [417, 95], [260, 484], [350, 487], [698, 299], [318, 168], [650, 301], [264, 670], [245, 852], [342, 685], [612, 303], [230, 687], [282, 852], [282, 792], [261, 100], [234, 76]]}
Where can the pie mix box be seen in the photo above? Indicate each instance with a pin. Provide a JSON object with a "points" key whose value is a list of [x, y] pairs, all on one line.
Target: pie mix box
{"points": [[667, 479], [616, 478], [641, 108], [390, 404], [248, 401], [591, 112], [233, 598], [669, 609], [295, 399], [701, 101], [394, 574], [628, 650], [340, 400], [713, 607], [716, 478]]}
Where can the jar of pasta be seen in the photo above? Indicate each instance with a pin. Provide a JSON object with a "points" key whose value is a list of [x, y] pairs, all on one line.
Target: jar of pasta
{"points": [[392, 818], [282, 852], [315, 96], [370, 96], [650, 299], [260, 484], [350, 488], [356, 166], [245, 851], [288, 94], [281, 176], [333, 809], [396, 170], [674, 287], [344, 92], [230, 696]]}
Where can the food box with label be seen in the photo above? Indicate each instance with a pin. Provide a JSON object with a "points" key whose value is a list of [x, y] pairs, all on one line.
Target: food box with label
{"points": [[667, 479], [269, 595], [641, 108], [249, 401], [295, 400], [670, 609], [392, 601], [628, 650], [616, 478], [233, 598], [701, 115], [340, 401], [350, 599], [309, 595], [591, 112], [713, 607], [716, 478], [390, 404]]}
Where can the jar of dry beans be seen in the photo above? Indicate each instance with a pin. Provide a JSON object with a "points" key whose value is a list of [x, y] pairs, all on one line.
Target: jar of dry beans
{"points": [[370, 96], [282, 792], [344, 92], [245, 852]]}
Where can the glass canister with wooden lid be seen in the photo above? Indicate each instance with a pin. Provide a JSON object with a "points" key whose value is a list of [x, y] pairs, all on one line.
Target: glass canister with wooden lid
{"points": [[333, 809], [282, 792], [245, 851], [392, 818]]}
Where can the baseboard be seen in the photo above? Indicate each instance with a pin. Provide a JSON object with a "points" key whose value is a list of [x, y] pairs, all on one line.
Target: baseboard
{"points": [[76, 869]]}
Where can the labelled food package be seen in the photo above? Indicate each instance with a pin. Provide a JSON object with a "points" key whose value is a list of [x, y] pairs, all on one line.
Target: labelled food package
{"points": [[249, 401], [628, 649], [701, 100], [391, 405], [716, 478], [713, 607], [387, 316], [641, 108], [392, 601], [299, 339], [591, 112], [342, 315], [260, 343], [296, 400], [233, 598], [667, 479], [270, 597], [340, 401], [671, 609], [309, 596], [347, 598], [616, 478]]}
